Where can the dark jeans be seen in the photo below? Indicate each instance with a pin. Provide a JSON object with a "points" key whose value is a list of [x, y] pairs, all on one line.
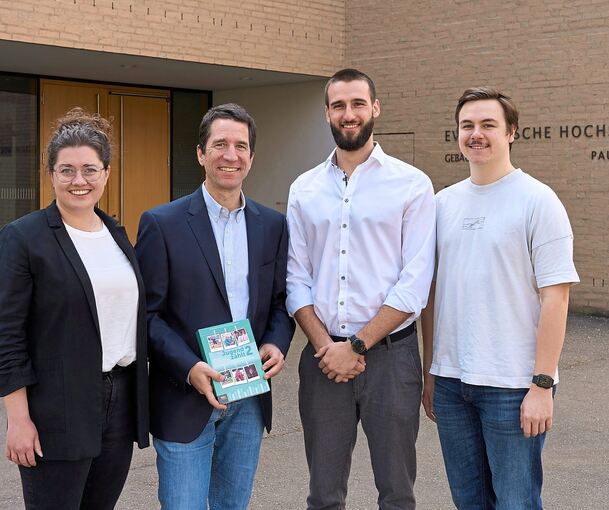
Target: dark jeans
{"points": [[94, 483], [489, 463], [386, 398]]}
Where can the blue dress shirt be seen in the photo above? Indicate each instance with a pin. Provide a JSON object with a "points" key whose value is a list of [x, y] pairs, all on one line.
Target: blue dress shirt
{"points": [[230, 232]]}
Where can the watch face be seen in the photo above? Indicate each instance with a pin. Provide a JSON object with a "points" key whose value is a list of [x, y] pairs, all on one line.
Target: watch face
{"points": [[544, 381], [358, 345]]}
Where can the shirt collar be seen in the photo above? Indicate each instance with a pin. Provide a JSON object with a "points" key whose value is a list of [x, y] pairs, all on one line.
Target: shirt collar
{"points": [[377, 154], [215, 210]]}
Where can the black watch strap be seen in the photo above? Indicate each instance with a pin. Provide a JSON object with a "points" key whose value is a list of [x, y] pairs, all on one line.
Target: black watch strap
{"points": [[543, 381]]}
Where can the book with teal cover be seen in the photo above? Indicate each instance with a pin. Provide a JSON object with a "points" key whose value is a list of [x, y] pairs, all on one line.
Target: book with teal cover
{"points": [[231, 350]]}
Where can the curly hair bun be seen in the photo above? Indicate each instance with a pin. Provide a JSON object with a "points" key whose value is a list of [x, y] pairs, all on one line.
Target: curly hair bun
{"points": [[79, 128]]}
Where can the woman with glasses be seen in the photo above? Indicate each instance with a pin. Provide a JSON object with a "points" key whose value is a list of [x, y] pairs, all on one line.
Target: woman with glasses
{"points": [[73, 367]]}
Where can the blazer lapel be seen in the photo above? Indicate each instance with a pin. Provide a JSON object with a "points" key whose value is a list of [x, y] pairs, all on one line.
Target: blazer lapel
{"points": [[119, 234], [66, 244], [200, 225], [255, 244]]}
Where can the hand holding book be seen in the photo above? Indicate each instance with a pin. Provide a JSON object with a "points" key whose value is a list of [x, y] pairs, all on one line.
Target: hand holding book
{"points": [[234, 368], [200, 377]]}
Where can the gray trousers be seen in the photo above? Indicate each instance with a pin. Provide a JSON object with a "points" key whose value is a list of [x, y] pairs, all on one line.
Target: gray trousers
{"points": [[386, 398]]}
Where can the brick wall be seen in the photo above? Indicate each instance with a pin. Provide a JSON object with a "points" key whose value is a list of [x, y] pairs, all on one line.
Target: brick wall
{"points": [[284, 35], [549, 56]]}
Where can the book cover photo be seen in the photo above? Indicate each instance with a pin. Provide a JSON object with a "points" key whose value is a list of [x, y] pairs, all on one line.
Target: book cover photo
{"points": [[231, 350]]}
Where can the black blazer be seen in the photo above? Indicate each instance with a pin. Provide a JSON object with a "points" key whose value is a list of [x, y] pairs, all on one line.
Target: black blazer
{"points": [[185, 291], [49, 335]]}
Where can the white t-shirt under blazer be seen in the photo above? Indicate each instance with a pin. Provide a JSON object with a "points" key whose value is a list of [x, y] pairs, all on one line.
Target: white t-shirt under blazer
{"points": [[116, 293]]}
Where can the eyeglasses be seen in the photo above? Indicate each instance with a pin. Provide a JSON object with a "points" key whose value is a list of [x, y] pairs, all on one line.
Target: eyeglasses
{"points": [[68, 174]]}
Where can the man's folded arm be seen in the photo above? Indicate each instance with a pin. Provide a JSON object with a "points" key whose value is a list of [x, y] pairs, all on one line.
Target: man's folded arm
{"points": [[300, 269], [411, 291]]}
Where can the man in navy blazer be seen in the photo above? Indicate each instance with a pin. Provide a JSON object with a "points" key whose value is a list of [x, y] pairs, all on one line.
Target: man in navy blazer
{"points": [[210, 258]]}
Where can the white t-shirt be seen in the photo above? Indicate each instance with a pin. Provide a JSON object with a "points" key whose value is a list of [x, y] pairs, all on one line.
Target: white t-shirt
{"points": [[116, 293], [497, 245]]}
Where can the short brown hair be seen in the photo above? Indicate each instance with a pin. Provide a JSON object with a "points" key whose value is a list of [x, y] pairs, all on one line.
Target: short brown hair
{"points": [[479, 93], [348, 75], [230, 111]]}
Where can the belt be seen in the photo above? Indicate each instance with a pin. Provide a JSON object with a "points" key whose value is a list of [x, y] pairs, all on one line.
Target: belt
{"points": [[117, 369], [393, 338]]}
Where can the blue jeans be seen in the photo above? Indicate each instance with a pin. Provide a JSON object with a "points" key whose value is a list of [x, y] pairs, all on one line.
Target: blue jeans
{"points": [[489, 463], [218, 467]]}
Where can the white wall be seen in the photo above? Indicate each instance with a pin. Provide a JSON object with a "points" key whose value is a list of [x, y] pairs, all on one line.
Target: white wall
{"points": [[292, 135]]}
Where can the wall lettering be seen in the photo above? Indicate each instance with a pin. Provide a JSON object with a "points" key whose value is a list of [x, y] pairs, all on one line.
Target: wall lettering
{"points": [[534, 133]]}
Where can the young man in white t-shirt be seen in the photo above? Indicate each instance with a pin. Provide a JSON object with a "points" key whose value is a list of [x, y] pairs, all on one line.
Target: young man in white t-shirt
{"points": [[497, 314]]}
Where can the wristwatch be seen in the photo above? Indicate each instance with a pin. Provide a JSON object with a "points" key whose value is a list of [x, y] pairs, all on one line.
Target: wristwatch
{"points": [[543, 381], [358, 345]]}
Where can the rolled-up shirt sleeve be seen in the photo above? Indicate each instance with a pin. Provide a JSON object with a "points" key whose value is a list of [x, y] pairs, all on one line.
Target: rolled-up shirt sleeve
{"points": [[16, 369], [300, 269], [411, 291]]}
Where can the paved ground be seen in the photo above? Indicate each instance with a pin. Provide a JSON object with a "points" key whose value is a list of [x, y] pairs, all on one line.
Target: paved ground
{"points": [[576, 453]]}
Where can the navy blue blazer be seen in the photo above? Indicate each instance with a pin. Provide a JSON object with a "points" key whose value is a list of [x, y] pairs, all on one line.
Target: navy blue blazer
{"points": [[50, 339], [185, 291]]}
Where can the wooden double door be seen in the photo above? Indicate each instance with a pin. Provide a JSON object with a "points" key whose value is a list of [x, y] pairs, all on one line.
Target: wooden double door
{"points": [[140, 176]]}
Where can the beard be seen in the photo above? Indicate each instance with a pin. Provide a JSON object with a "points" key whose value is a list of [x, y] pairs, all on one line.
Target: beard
{"points": [[355, 143]]}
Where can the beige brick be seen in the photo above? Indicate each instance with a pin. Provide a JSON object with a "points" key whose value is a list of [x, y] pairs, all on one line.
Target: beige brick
{"points": [[549, 56], [166, 29]]}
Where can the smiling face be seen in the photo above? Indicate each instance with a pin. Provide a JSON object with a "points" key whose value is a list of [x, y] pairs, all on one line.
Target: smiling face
{"points": [[227, 158], [351, 113], [78, 196], [484, 138]]}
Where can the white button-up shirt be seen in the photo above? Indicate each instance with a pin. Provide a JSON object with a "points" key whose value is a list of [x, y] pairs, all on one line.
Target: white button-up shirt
{"points": [[357, 246]]}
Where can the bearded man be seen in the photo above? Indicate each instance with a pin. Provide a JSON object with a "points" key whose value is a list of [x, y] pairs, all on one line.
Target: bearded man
{"points": [[360, 264]]}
